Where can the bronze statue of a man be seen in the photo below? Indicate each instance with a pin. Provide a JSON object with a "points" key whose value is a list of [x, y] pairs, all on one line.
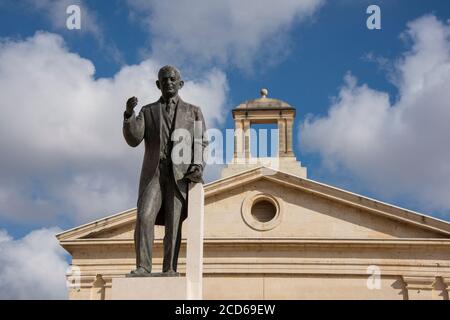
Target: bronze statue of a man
{"points": [[165, 176]]}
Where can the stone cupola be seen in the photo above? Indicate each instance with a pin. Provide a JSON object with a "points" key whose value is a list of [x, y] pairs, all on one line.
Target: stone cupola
{"points": [[264, 110]]}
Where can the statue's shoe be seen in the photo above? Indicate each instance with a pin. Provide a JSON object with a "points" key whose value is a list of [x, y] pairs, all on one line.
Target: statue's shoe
{"points": [[139, 272], [170, 273]]}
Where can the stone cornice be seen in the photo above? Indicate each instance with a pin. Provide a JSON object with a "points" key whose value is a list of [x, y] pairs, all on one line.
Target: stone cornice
{"points": [[282, 242], [113, 221]]}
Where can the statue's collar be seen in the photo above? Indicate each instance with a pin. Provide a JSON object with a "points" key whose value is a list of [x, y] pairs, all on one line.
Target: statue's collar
{"points": [[173, 100]]}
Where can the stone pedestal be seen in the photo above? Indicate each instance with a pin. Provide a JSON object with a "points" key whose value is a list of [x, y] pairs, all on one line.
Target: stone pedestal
{"points": [[173, 288], [151, 288]]}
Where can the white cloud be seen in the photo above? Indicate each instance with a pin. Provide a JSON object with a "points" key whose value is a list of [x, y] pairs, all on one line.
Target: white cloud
{"points": [[55, 11], [4, 236], [33, 267], [228, 32], [63, 153], [398, 149]]}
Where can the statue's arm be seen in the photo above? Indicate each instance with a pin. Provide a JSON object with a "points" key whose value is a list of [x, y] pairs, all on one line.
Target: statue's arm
{"points": [[134, 128], [195, 170], [204, 140]]}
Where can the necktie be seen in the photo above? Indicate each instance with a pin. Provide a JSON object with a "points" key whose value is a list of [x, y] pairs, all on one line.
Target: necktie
{"points": [[166, 127], [169, 109]]}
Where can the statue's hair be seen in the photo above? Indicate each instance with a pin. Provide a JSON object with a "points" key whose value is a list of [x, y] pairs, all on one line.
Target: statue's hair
{"points": [[168, 68]]}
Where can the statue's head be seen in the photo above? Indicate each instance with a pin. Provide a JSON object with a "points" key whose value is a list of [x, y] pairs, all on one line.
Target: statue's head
{"points": [[169, 81]]}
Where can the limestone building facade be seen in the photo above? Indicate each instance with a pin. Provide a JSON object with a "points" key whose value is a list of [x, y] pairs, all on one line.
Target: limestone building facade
{"points": [[272, 233]]}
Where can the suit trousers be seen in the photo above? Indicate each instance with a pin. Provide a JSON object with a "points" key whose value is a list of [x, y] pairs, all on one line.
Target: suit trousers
{"points": [[160, 194]]}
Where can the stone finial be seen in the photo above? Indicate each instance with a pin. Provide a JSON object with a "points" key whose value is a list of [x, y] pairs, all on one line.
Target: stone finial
{"points": [[264, 92]]}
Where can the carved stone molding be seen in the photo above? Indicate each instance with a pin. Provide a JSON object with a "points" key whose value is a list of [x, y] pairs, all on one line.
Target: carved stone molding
{"points": [[424, 288]]}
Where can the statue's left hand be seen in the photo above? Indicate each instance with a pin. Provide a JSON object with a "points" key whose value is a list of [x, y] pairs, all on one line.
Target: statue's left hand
{"points": [[194, 174]]}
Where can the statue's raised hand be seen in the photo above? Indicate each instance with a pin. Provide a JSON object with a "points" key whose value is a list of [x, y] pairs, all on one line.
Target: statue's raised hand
{"points": [[131, 104]]}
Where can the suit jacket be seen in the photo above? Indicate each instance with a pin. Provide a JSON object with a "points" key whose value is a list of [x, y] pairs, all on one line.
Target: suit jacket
{"points": [[147, 126]]}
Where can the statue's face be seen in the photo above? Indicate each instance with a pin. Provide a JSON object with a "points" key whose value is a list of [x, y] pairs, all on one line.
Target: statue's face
{"points": [[169, 83]]}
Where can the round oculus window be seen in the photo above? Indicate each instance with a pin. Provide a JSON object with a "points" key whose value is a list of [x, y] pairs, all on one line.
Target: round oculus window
{"points": [[264, 210]]}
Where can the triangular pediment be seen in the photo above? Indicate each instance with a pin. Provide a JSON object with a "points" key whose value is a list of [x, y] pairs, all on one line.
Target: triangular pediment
{"points": [[316, 210], [311, 210]]}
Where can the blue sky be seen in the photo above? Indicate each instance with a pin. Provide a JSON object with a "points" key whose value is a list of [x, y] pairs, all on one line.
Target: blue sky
{"points": [[372, 110]]}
